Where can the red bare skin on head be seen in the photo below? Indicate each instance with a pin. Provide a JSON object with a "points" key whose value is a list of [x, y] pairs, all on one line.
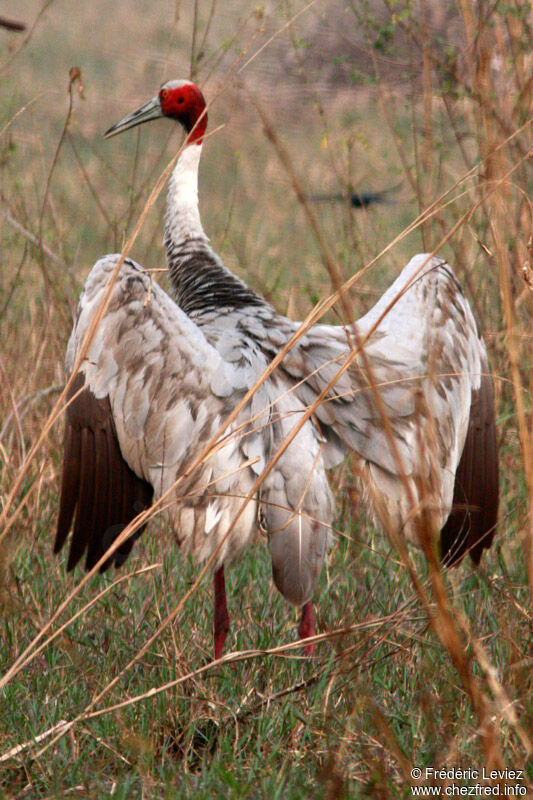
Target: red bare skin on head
{"points": [[186, 104]]}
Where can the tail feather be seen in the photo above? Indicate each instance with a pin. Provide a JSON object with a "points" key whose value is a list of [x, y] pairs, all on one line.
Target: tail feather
{"points": [[297, 547]]}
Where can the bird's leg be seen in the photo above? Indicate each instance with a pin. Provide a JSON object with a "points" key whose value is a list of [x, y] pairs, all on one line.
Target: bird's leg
{"points": [[221, 625], [306, 627]]}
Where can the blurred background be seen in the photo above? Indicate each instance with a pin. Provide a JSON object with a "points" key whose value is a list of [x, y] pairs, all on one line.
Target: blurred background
{"points": [[342, 85]]}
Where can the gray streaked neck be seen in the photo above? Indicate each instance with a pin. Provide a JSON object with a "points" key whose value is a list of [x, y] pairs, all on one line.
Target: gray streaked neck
{"points": [[199, 279]]}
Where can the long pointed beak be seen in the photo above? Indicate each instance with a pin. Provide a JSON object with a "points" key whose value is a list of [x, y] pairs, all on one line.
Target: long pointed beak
{"points": [[150, 110]]}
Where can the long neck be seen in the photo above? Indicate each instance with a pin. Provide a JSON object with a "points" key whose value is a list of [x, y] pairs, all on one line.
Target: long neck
{"points": [[199, 279], [182, 219]]}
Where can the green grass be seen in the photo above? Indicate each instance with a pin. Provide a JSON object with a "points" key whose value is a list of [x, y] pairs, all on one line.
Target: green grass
{"points": [[220, 729], [374, 701]]}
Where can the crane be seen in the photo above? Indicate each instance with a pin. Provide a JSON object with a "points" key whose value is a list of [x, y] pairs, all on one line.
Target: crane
{"points": [[160, 376]]}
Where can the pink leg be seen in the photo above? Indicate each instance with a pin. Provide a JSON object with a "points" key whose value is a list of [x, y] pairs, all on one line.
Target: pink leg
{"points": [[221, 626], [307, 626]]}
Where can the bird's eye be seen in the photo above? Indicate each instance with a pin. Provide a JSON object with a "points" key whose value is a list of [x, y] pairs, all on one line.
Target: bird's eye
{"points": [[181, 99]]}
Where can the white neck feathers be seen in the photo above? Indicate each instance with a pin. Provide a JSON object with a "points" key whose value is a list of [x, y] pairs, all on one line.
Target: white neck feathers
{"points": [[182, 216]]}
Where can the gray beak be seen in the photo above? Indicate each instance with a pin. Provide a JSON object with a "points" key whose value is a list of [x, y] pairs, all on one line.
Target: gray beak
{"points": [[150, 110]]}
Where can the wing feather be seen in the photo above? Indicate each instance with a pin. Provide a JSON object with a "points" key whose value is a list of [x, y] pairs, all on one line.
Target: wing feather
{"points": [[69, 484], [99, 490], [422, 337], [101, 498], [472, 521], [142, 405], [83, 522]]}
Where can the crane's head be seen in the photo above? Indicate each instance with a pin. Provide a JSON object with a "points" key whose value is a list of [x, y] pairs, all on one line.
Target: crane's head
{"points": [[179, 100]]}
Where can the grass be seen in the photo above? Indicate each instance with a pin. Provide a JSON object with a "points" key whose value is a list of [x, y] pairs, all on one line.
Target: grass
{"points": [[220, 727], [403, 678]]}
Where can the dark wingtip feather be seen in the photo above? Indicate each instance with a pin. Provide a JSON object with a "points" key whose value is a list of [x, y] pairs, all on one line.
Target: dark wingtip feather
{"points": [[70, 477], [86, 502], [98, 489], [69, 485], [101, 493], [472, 522]]}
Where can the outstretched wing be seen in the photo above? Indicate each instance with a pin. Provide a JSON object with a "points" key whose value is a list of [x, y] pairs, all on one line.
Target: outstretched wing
{"points": [[427, 362], [149, 396]]}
